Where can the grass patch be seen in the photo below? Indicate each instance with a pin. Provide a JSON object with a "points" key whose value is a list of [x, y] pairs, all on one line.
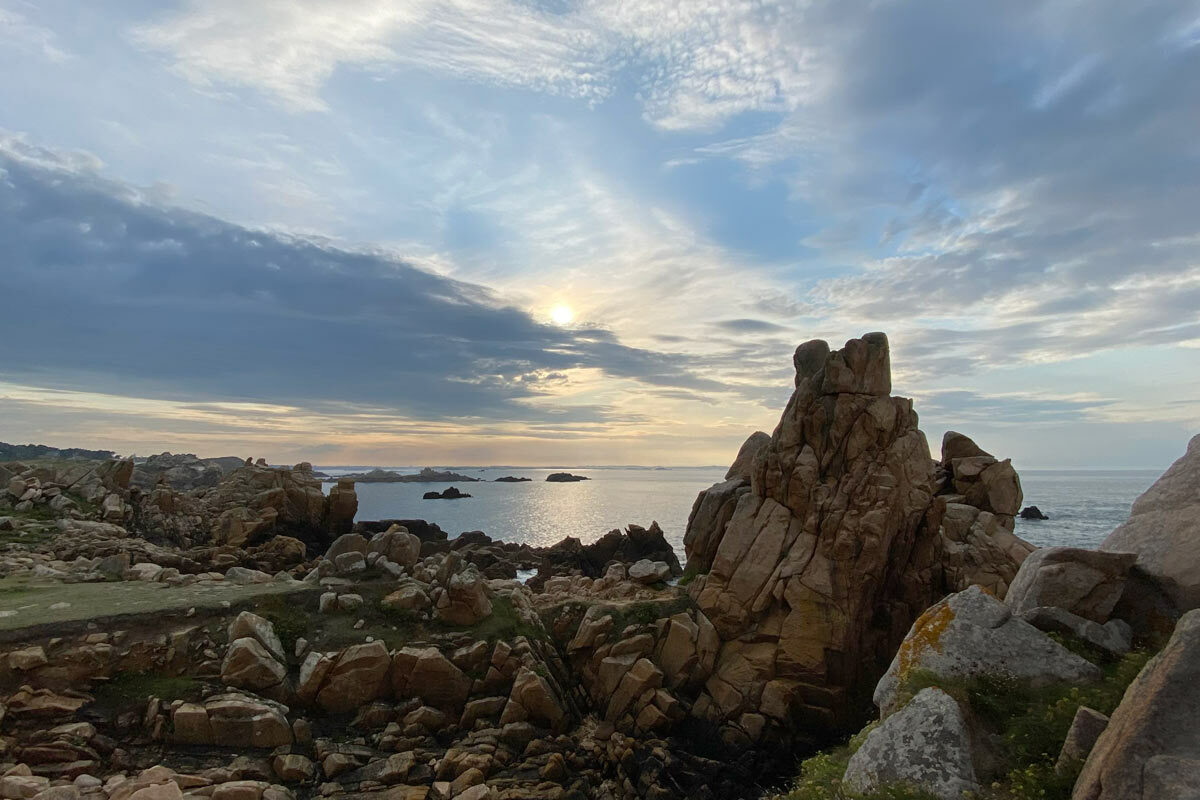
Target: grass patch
{"points": [[130, 689], [290, 620]]}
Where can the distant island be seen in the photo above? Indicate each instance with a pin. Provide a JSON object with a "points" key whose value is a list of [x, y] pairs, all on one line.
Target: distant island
{"points": [[426, 475], [453, 493], [512, 479], [564, 477]]}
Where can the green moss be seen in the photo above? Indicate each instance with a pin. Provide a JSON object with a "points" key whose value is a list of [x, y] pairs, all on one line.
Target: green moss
{"points": [[130, 689]]}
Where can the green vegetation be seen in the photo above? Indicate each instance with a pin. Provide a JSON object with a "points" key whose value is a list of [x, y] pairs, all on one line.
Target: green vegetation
{"points": [[131, 689], [821, 777], [690, 573], [1028, 725], [290, 619]]}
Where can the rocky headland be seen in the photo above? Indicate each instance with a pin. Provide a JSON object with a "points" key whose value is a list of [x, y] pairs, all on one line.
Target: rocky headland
{"points": [[252, 640]]}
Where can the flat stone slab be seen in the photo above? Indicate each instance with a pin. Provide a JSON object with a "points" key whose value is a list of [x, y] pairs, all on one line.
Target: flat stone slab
{"points": [[27, 606]]}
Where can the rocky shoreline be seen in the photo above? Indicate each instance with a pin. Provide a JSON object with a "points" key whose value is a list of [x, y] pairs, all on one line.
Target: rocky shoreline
{"points": [[243, 636]]}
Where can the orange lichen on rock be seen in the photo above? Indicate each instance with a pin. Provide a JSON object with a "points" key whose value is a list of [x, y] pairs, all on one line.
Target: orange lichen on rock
{"points": [[927, 633]]}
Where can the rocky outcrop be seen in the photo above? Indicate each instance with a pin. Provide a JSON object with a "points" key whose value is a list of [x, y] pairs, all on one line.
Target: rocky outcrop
{"points": [[1151, 746], [592, 560], [1163, 528], [182, 471], [846, 529]]}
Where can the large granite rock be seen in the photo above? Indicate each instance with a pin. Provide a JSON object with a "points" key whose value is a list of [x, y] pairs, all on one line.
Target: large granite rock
{"points": [[359, 674], [1151, 747], [1163, 529], [812, 572], [970, 634], [743, 465], [926, 745], [1087, 583], [249, 665]]}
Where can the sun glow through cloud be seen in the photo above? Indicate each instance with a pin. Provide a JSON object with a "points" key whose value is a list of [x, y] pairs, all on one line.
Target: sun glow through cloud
{"points": [[562, 314]]}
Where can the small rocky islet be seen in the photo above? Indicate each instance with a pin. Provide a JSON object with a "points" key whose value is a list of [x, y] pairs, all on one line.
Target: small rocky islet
{"points": [[855, 619]]}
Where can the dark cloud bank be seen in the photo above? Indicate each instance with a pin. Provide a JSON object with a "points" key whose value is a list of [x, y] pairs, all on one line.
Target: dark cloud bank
{"points": [[106, 291]]}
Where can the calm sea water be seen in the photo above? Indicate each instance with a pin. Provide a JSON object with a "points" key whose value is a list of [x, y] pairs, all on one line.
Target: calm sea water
{"points": [[1083, 505]]}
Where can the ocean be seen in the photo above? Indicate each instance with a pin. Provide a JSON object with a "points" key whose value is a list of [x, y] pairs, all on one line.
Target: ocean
{"points": [[1083, 505]]}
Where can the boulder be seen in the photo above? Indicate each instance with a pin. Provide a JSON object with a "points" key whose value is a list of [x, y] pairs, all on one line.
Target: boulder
{"points": [[1087, 583], [1032, 512], [1086, 727], [465, 600], [1151, 746], [237, 720], [970, 634], [358, 675], [429, 675], [398, 545], [926, 745], [1163, 528], [647, 571], [249, 665], [249, 624], [347, 543], [410, 596], [534, 701], [1114, 636]]}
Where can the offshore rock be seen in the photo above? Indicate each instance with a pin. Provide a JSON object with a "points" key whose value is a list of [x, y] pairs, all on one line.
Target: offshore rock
{"points": [[844, 533]]}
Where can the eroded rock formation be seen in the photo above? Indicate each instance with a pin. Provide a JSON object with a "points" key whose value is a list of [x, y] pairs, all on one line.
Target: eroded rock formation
{"points": [[831, 535]]}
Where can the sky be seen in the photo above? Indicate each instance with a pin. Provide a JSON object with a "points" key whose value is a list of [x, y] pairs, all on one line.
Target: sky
{"points": [[559, 232]]}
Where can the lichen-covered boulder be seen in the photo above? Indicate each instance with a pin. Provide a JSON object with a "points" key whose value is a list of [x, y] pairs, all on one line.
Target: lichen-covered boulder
{"points": [[971, 634], [926, 745], [1151, 746]]}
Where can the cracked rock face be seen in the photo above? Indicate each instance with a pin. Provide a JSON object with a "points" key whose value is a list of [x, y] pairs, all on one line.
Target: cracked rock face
{"points": [[829, 536]]}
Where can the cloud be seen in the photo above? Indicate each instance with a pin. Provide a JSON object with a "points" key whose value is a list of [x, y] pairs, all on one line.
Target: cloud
{"points": [[1016, 187], [29, 37], [749, 326], [694, 64], [127, 296]]}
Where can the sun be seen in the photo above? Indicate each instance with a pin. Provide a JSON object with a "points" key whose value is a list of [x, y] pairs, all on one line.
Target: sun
{"points": [[562, 314]]}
